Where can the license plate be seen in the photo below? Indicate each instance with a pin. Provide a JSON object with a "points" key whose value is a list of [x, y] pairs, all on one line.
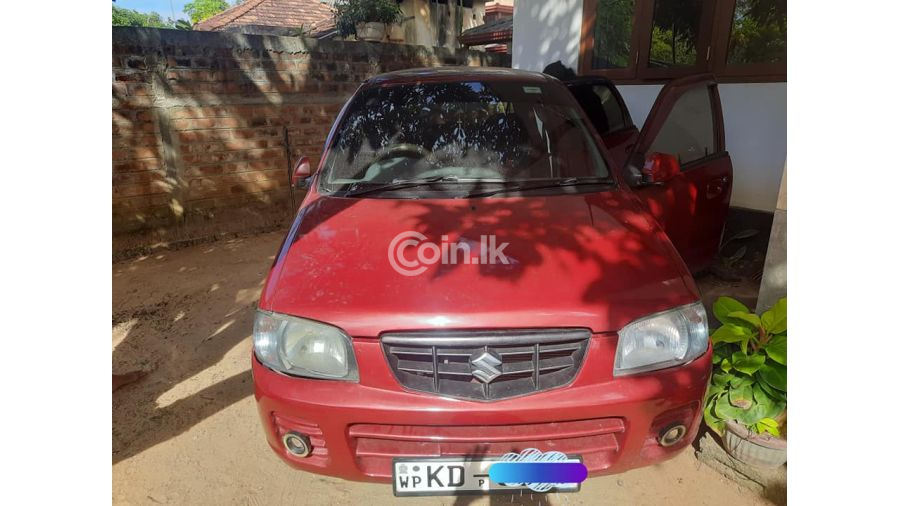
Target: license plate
{"points": [[455, 476]]}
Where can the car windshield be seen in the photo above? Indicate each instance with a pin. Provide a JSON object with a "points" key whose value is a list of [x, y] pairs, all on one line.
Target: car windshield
{"points": [[453, 135]]}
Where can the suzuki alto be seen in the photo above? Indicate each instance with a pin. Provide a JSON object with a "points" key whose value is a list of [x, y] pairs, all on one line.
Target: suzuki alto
{"points": [[489, 261]]}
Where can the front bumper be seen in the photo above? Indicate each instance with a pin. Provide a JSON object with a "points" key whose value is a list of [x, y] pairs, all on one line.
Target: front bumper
{"points": [[355, 429]]}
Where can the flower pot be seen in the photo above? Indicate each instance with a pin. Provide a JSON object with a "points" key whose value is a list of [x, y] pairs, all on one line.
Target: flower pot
{"points": [[370, 32], [763, 450]]}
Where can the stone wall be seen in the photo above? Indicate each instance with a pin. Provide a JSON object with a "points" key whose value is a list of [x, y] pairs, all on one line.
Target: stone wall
{"points": [[202, 121]]}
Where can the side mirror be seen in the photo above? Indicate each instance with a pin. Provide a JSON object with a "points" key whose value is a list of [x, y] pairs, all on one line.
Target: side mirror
{"points": [[659, 168], [302, 171]]}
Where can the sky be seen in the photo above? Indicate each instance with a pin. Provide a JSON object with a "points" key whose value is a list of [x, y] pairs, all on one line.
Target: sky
{"points": [[163, 7]]}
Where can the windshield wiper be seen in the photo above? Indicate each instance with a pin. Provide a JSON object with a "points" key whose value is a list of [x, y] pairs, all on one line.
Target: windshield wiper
{"points": [[398, 185], [559, 183]]}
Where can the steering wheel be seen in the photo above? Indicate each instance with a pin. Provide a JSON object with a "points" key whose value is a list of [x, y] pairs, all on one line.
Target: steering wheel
{"points": [[407, 148]]}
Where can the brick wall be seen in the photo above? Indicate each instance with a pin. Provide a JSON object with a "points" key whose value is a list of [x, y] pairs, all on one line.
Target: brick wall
{"points": [[199, 120]]}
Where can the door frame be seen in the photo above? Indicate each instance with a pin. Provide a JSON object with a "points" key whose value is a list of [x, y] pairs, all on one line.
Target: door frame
{"points": [[662, 107]]}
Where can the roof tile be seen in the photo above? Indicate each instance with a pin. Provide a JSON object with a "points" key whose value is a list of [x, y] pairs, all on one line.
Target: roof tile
{"points": [[280, 13]]}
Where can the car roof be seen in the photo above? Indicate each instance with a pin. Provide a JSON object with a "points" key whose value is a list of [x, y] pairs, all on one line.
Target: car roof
{"points": [[458, 73], [587, 80]]}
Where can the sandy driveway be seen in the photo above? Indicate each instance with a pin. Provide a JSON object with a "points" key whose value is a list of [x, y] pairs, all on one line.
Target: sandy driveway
{"points": [[188, 432]]}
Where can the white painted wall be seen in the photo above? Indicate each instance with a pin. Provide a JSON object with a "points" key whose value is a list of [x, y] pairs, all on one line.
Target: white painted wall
{"points": [[755, 113], [756, 136], [545, 31]]}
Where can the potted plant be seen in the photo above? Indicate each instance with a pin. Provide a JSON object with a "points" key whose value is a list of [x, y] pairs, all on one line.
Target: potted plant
{"points": [[367, 19], [747, 399]]}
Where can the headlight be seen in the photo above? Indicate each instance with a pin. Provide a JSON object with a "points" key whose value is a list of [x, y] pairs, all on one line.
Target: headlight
{"points": [[303, 347], [662, 340]]}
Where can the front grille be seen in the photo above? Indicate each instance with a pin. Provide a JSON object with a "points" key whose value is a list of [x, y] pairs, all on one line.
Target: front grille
{"points": [[597, 441], [486, 365]]}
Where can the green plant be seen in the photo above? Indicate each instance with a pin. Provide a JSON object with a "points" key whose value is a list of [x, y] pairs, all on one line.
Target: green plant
{"points": [[130, 17], [300, 31], [749, 381], [347, 13], [198, 10]]}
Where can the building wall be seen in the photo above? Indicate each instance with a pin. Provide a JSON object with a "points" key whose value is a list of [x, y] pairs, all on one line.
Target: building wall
{"points": [[773, 285], [544, 32], [199, 119], [755, 113], [423, 30]]}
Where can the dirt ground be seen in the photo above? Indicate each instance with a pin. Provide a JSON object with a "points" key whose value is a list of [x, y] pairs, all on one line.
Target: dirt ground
{"points": [[188, 432]]}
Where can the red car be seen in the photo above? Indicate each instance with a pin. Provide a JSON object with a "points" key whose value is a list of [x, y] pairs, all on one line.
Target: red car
{"points": [[491, 260]]}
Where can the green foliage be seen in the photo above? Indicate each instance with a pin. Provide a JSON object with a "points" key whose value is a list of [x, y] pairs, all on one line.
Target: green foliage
{"points": [[675, 27], [759, 32], [198, 10], [725, 306], [671, 48], [612, 33], [747, 364], [129, 17], [769, 425], [749, 381], [300, 31], [347, 13]]}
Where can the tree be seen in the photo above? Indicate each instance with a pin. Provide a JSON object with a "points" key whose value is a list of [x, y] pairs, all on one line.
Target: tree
{"points": [[675, 28], [347, 13], [129, 17], [759, 32], [612, 33], [198, 10]]}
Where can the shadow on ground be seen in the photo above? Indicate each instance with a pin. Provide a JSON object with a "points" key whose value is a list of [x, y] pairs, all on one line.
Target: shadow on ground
{"points": [[187, 323]]}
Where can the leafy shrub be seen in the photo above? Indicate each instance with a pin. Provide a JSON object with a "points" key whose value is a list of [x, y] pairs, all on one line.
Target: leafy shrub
{"points": [[347, 13], [749, 382], [198, 10], [130, 17]]}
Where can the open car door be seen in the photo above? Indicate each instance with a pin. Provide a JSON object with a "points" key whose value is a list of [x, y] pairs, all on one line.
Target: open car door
{"points": [[604, 106], [680, 169]]}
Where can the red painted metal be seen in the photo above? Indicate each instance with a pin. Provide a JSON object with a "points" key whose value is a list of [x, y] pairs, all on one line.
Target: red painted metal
{"points": [[593, 260], [301, 170], [661, 167], [691, 206], [596, 440], [575, 418], [620, 143], [590, 260]]}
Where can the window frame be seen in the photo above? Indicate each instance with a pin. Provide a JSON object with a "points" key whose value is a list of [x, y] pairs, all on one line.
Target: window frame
{"points": [[628, 123], [713, 123], [586, 48], [744, 72], [716, 21], [646, 140]]}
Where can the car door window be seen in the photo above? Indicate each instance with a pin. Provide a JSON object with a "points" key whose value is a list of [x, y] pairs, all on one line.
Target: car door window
{"points": [[602, 107], [689, 130]]}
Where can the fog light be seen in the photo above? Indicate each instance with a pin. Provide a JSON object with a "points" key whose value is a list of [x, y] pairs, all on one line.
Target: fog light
{"points": [[297, 444], [672, 434]]}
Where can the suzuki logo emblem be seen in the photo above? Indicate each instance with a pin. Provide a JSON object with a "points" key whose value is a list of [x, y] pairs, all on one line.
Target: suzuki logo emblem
{"points": [[485, 365]]}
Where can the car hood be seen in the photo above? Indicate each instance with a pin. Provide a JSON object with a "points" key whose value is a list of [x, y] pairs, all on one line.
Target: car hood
{"points": [[577, 260]]}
